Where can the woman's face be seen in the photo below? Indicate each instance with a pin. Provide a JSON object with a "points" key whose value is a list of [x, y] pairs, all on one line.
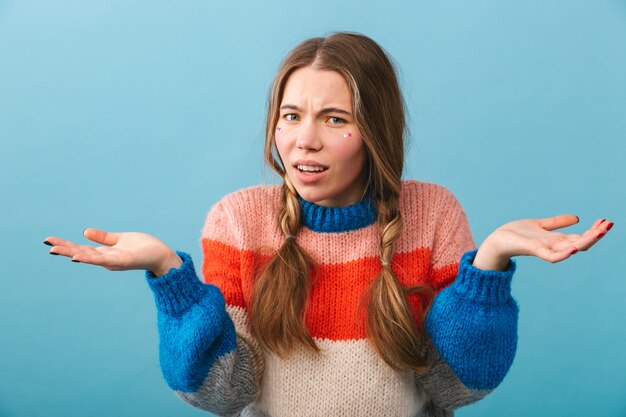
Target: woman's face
{"points": [[317, 138]]}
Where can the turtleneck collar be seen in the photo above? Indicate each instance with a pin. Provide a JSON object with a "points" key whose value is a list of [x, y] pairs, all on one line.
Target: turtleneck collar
{"points": [[337, 219]]}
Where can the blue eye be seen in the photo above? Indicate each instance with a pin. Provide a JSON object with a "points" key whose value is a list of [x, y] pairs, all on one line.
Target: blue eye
{"points": [[336, 120], [291, 117]]}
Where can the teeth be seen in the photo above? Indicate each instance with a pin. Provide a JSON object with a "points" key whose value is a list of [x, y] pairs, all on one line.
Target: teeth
{"points": [[310, 168]]}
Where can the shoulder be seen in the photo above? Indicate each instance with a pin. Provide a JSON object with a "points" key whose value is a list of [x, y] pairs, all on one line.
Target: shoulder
{"points": [[426, 209], [434, 218], [250, 208], [256, 197], [426, 195]]}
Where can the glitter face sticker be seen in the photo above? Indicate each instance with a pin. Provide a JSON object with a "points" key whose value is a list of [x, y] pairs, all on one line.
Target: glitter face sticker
{"points": [[347, 135]]}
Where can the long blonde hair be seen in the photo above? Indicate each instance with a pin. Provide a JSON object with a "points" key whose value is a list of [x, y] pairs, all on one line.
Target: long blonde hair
{"points": [[281, 290]]}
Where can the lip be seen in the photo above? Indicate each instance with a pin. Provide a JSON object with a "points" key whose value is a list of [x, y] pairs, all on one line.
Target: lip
{"points": [[309, 162], [309, 178]]}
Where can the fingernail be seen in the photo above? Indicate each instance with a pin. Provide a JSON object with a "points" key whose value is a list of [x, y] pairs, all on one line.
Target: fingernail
{"points": [[601, 235], [574, 251], [602, 221], [75, 261], [84, 230], [577, 219], [609, 226], [45, 242], [52, 253]]}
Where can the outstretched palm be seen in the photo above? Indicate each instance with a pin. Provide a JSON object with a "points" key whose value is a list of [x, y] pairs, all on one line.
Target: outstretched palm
{"points": [[120, 251], [536, 237]]}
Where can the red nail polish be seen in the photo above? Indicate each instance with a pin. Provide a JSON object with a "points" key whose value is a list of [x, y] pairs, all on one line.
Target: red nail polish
{"points": [[574, 251], [609, 226], [45, 242], [601, 235]]}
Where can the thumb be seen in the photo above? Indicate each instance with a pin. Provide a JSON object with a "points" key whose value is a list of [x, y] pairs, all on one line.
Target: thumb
{"points": [[100, 236], [557, 222]]}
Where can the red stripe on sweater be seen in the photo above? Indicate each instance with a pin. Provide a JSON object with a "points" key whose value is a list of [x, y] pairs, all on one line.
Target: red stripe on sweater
{"points": [[333, 310]]}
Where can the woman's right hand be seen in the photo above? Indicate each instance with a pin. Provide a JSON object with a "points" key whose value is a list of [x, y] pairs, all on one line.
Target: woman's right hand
{"points": [[121, 251]]}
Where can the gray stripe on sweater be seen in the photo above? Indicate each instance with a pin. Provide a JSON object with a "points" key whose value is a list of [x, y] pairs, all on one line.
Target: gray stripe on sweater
{"points": [[230, 385], [445, 389], [252, 411]]}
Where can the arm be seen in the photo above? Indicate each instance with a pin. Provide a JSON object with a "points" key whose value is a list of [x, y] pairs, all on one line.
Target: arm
{"points": [[208, 354], [201, 357], [472, 323], [473, 328]]}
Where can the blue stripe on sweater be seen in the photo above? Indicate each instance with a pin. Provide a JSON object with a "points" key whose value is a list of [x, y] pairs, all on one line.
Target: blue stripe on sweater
{"points": [[473, 324], [194, 328]]}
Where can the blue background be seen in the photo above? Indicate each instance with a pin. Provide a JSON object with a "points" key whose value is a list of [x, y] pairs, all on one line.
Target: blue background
{"points": [[139, 115]]}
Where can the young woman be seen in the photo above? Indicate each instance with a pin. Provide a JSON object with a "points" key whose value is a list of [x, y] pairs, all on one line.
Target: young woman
{"points": [[345, 291]]}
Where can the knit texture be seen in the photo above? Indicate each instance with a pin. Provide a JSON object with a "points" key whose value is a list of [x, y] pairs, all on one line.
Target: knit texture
{"points": [[194, 328], [337, 219], [481, 305], [211, 360]]}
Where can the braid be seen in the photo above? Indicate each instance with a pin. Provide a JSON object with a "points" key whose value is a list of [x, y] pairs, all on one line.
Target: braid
{"points": [[289, 215], [391, 327], [281, 291]]}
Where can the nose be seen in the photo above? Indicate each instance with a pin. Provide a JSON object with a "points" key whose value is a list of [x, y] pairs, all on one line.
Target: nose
{"points": [[308, 137]]}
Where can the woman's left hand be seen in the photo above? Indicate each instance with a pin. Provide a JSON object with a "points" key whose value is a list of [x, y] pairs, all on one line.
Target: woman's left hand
{"points": [[535, 237]]}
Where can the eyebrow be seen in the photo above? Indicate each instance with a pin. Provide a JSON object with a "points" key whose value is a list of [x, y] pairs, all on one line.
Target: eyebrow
{"points": [[325, 110]]}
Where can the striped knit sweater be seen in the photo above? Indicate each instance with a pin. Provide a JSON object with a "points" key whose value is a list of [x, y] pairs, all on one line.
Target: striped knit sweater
{"points": [[210, 359]]}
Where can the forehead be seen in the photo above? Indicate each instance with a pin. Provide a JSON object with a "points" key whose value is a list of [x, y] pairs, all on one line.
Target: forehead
{"points": [[318, 88]]}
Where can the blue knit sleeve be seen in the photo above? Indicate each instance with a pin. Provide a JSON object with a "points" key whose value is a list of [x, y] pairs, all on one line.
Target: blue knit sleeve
{"points": [[473, 324], [201, 357], [194, 327]]}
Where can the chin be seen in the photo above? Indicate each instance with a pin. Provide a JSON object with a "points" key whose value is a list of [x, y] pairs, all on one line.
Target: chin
{"points": [[310, 197]]}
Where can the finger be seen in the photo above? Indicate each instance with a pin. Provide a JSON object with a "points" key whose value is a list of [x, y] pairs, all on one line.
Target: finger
{"points": [[65, 251], [109, 261], [602, 225], [593, 235], [597, 223], [71, 249], [607, 225], [56, 241], [101, 236], [91, 258], [557, 222], [591, 239]]}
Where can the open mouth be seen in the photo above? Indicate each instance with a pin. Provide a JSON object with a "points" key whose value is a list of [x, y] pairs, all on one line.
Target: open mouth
{"points": [[310, 169]]}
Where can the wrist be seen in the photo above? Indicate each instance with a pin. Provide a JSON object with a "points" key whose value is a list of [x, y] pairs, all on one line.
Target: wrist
{"points": [[172, 260], [488, 258]]}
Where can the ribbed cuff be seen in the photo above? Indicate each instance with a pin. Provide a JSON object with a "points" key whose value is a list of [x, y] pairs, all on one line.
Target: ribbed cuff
{"points": [[177, 290], [489, 287]]}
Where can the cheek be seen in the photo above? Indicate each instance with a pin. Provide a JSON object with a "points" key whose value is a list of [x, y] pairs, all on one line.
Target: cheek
{"points": [[349, 159], [350, 152], [281, 143]]}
